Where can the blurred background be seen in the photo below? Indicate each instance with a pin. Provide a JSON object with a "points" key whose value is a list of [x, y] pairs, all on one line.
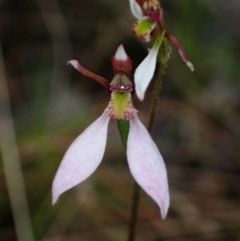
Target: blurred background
{"points": [[46, 104]]}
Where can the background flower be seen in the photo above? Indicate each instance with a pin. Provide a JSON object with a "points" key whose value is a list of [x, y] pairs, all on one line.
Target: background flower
{"points": [[150, 25]]}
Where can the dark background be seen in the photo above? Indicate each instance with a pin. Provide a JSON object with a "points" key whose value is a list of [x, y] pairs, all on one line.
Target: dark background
{"points": [[197, 127]]}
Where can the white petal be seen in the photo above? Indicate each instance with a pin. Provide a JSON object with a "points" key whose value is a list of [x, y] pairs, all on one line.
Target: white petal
{"points": [[74, 63], [145, 71], [120, 54], [136, 9], [82, 157], [147, 165]]}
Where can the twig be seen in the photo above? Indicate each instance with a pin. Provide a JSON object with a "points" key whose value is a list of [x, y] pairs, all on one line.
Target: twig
{"points": [[11, 163], [62, 52]]}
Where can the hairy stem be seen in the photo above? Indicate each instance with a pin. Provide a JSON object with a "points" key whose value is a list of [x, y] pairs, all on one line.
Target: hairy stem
{"points": [[134, 212], [136, 188], [155, 96]]}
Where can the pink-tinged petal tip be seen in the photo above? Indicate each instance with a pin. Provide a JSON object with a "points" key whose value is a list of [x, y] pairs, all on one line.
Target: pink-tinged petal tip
{"points": [[136, 9], [147, 166], [82, 157]]}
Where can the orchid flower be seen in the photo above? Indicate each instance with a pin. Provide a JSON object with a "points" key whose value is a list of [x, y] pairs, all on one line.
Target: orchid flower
{"points": [[86, 152], [150, 24]]}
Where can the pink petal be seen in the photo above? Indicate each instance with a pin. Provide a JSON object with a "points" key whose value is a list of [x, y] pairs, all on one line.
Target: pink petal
{"points": [[147, 165], [181, 51], [145, 70], [82, 157], [88, 73], [136, 9]]}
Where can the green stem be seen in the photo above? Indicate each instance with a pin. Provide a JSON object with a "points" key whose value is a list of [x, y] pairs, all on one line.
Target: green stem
{"points": [[136, 188]]}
